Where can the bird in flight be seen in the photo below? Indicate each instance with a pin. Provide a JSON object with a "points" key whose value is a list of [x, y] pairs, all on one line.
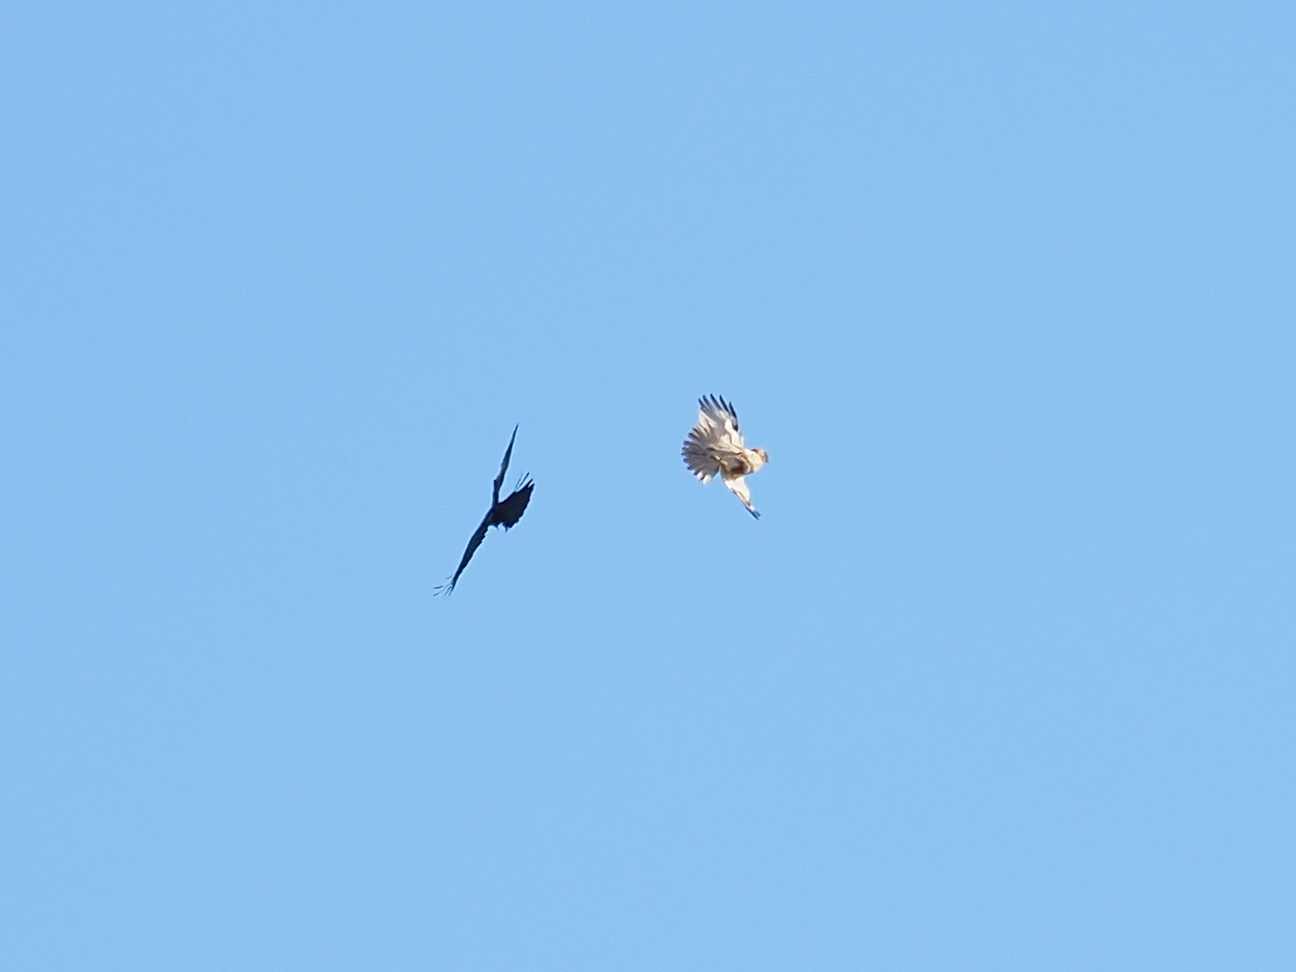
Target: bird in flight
{"points": [[716, 446], [503, 512]]}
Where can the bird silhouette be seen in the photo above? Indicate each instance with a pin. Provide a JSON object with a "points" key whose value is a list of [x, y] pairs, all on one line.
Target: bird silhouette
{"points": [[503, 512]]}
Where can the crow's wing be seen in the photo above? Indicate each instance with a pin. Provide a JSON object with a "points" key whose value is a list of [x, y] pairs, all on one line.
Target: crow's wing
{"points": [[510, 509], [473, 544], [499, 480]]}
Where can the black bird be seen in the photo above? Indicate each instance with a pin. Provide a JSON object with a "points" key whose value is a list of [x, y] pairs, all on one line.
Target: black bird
{"points": [[503, 512]]}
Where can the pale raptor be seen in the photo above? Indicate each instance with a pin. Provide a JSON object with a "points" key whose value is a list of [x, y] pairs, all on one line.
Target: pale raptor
{"points": [[715, 447]]}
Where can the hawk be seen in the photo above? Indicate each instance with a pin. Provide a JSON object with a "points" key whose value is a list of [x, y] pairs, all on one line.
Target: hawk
{"points": [[503, 512], [715, 446]]}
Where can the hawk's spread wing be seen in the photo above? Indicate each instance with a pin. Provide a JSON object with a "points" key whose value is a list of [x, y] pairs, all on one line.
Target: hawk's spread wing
{"points": [[716, 435]]}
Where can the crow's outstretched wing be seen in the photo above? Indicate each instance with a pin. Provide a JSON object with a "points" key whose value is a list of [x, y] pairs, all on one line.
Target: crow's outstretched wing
{"points": [[509, 510], [473, 544], [499, 480]]}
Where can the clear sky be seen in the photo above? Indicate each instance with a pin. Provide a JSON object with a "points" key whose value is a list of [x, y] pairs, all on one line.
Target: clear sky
{"points": [[1002, 680]]}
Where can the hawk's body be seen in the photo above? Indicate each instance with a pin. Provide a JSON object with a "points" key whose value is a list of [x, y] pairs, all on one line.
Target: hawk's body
{"points": [[715, 448]]}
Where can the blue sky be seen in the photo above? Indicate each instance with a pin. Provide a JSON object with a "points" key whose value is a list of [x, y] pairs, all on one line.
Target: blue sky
{"points": [[1001, 680]]}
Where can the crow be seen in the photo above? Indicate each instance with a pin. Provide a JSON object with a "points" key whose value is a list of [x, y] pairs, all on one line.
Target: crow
{"points": [[503, 512]]}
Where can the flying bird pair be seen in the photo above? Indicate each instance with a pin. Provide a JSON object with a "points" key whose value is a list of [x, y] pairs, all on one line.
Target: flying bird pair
{"points": [[714, 447]]}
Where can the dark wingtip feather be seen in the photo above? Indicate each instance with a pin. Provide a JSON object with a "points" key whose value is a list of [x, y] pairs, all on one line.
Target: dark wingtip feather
{"points": [[717, 403]]}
